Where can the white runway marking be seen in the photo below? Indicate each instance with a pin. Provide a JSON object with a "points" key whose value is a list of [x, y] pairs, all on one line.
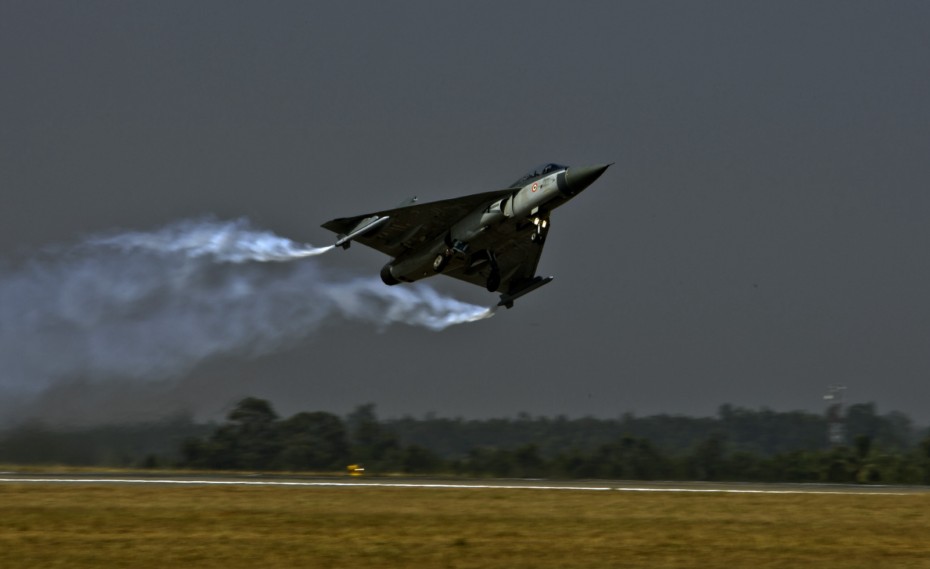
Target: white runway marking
{"points": [[294, 483], [765, 491], [193, 482]]}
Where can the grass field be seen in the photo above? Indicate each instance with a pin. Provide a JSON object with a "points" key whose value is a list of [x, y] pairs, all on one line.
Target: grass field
{"points": [[197, 526]]}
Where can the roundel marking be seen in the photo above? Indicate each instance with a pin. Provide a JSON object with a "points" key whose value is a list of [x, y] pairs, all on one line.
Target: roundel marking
{"points": [[535, 186]]}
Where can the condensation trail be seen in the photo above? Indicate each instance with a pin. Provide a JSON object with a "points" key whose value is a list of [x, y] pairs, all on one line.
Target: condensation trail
{"points": [[141, 305]]}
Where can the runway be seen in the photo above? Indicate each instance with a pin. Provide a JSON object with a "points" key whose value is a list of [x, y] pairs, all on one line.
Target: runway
{"points": [[175, 479]]}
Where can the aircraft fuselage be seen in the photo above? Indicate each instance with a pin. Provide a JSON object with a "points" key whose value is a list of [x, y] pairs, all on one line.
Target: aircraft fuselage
{"points": [[531, 203], [493, 239]]}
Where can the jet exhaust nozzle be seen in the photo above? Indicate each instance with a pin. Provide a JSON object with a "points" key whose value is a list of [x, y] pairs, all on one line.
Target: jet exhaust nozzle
{"points": [[387, 276]]}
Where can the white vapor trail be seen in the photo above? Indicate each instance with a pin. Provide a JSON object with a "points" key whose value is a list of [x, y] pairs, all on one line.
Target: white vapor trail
{"points": [[231, 242], [150, 305]]}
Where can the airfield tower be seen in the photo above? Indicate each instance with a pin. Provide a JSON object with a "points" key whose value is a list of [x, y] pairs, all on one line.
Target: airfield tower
{"points": [[836, 425]]}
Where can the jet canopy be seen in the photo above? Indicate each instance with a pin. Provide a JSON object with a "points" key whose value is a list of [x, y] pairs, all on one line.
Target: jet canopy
{"points": [[538, 172]]}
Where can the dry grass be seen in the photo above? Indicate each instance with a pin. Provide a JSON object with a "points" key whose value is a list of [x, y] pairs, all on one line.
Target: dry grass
{"points": [[154, 526]]}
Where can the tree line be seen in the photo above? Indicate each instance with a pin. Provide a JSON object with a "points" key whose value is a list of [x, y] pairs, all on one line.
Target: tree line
{"points": [[737, 444]]}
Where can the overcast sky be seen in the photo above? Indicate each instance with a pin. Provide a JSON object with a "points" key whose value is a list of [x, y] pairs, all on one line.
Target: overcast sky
{"points": [[764, 232]]}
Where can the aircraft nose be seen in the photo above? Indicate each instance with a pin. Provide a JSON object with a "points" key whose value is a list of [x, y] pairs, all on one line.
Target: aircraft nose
{"points": [[580, 177]]}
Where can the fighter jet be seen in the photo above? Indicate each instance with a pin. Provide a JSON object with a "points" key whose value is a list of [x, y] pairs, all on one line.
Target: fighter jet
{"points": [[492, 239]]}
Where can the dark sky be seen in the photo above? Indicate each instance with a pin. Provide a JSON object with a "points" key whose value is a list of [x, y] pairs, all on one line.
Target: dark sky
{"points": [[763, 234]]}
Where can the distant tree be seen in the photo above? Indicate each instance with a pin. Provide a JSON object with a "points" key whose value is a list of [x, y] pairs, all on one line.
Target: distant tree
{"points": [[575, 464], [648, 463], [489, 461], [840, 465], [97, 445], [253, 434], [707, 460], [194, 453], [922, 459], [746, 466], [372, 444], [893, 430], [863, 447], [741, 444], [418, 460], [248, 440], [312, 441], [253, 413], [794, 466], [527, 463]]}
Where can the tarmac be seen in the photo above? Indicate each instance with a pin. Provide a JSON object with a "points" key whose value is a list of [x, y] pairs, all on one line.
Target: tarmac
{"points": [[362, 482]]}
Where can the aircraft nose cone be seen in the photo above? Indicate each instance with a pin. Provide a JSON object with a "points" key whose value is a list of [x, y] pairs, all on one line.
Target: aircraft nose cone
{"points": [[580, 177]]}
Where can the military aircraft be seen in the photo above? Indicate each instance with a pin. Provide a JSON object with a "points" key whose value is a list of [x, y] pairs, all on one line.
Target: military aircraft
{"points": [[492, 239]]}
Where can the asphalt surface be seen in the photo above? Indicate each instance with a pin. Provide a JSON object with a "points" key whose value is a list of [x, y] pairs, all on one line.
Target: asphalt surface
{"points": [[184, 479]]}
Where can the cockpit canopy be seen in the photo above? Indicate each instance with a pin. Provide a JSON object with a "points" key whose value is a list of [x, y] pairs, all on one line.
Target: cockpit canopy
{"points": [[538, 172]]}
